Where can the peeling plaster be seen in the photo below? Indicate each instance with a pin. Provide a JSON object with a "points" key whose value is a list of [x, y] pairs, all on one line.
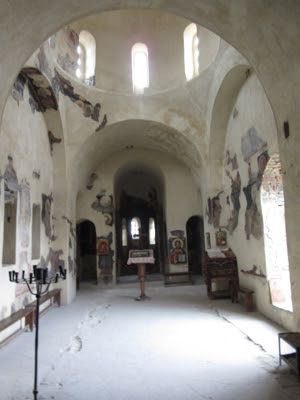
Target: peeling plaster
{"points": [[53, 258], [46, 214], [52, 140], [255, 271], [104, 204], [66, 88]]}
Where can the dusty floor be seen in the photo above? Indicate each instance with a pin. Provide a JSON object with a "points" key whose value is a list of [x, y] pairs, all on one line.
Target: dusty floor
{"points": [[178, 345]]}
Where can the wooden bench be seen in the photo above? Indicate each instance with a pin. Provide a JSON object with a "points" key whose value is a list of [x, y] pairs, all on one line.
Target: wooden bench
{"points": [[246, 298], [28, 313], [177, 282]]}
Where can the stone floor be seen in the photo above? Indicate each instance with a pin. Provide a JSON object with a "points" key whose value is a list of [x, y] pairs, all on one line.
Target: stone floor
{"points": [[177, 345]]}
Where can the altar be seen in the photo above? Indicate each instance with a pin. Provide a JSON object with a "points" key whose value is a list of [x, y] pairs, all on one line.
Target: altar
{"points": [[141, 257]]}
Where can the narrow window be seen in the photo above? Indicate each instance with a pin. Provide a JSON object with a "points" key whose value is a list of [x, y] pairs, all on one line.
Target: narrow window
{"points": [[140, 68], [35, 232], [124, 232], [86, 62], [191, 51], [151, 231], [276, 254], [135, 226]]}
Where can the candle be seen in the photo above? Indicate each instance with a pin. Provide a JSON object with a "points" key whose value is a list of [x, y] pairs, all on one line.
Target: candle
{"points": [[10, 275], [30, 277]]}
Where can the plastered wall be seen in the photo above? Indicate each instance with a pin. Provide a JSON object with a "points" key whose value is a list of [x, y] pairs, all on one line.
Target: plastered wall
{"points": [[250, 141], [26, 161], [182, 198]]}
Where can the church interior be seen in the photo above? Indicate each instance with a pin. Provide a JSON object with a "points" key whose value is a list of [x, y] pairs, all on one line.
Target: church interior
{"points": [[168, 127]]}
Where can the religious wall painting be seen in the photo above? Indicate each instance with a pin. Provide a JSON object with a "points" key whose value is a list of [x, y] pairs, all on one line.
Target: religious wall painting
{"points": [[252, 144], [102, 247], [256, 155], [105, 256], [104, 204], [52, 139], [233, 220], [177, 250], [88, 109], [24, 216], [42, 97], [214, 210], [91, 181], [46, 214], [18, 88], [221, 238], [231, 160], [53, 258]]}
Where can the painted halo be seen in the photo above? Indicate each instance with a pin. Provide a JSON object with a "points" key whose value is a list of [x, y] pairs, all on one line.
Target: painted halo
{"points": [[177, 240]]}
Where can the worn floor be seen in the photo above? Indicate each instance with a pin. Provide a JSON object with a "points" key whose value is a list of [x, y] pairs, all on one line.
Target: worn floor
{"points": [[179, 345]]}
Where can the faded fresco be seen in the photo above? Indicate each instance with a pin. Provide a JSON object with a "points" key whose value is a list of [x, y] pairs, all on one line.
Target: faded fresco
{"points": [[255, 153], [105, 256], [235, 201], [24, 217], [104, 204], [91, 181], [214, 210], [65, 87], [53, 258], [46, 214], [52, 139], [41, 96], [11, 180]]}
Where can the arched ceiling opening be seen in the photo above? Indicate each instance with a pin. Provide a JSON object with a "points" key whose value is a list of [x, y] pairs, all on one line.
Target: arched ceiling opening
{"points": [[126, 136]]}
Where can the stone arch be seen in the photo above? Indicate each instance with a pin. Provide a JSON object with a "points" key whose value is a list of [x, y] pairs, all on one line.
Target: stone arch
{"points": [[139, 134], [222, 109]]}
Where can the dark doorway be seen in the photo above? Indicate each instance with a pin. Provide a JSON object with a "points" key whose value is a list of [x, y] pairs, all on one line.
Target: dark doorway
{"points": [[139, 193], [195, 243], [86, 252]]}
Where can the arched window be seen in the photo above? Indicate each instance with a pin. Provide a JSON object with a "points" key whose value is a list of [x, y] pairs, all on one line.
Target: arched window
{"points": [[191, 51], [135, 225], [151, 231], [140, 68], [276, 254], [86, 58]]}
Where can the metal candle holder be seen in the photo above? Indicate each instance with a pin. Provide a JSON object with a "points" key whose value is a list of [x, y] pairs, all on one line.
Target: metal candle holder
{"points": [[42, 281]]}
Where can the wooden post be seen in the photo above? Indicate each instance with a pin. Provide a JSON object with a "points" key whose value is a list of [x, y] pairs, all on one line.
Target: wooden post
{"points": [[142, 282]]}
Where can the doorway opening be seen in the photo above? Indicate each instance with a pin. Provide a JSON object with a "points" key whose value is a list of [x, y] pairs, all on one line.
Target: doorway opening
{"points": [[140, 222], [276, 254], [195, 244], [86, 252]]}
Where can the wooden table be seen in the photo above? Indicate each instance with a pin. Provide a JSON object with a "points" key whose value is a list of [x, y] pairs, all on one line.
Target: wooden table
{"points": [[291, 358]]}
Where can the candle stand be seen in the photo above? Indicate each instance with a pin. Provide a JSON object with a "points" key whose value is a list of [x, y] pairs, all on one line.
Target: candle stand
{"points": [[42, 281]]}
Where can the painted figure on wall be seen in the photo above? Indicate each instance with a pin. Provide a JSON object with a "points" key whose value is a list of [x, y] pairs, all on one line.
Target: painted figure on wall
{"points": [[221, 238], [177, 250], [102, 246]]}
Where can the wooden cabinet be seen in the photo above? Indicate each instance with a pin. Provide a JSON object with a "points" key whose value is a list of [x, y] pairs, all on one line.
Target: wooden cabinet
{"points": [[292, 357], [223, 269]]}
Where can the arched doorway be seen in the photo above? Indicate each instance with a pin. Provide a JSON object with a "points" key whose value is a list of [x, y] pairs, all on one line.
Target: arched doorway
{"points": [[276, 254], [195, 244], [86, 252], [139, 194]]}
